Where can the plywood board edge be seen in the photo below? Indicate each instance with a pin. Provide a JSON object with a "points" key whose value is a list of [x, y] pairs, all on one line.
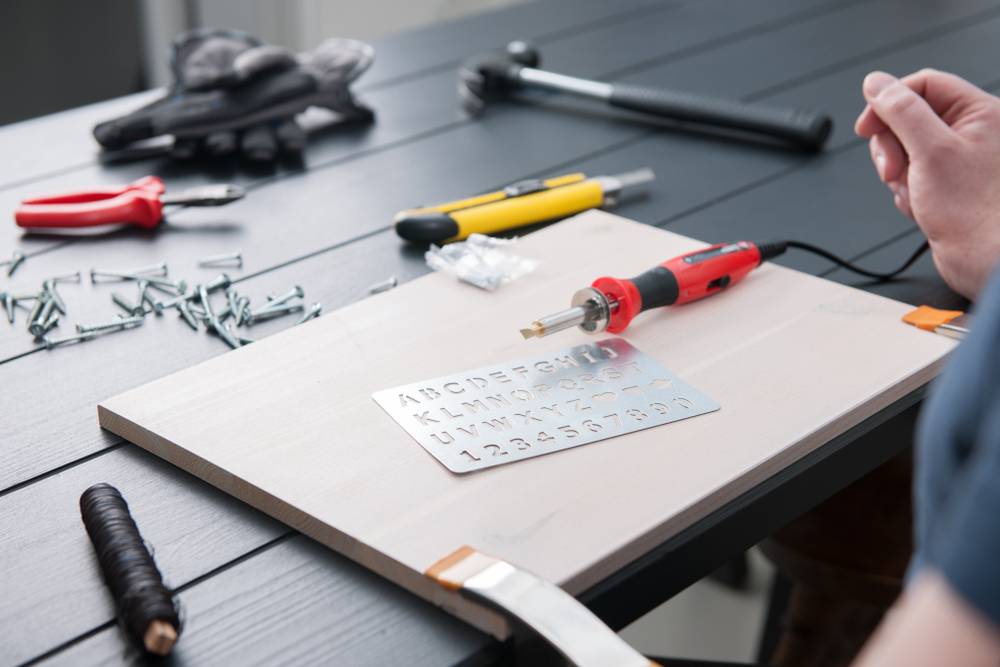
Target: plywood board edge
{"points": [[487, 620], [611, 563]]}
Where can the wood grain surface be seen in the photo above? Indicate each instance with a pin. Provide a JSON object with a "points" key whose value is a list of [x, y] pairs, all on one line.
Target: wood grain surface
{"points": [[289, 425], [339, 199]]}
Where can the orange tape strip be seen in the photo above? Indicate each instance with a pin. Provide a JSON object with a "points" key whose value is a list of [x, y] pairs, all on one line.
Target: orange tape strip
{"points": [[929, 319]]}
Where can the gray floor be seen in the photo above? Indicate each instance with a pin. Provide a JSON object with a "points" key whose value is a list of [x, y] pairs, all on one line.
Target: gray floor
{"points": [[708, 620]]}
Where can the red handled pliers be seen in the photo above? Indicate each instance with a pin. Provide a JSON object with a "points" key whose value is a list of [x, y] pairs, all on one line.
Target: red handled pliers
{"points": [[138, 203]]}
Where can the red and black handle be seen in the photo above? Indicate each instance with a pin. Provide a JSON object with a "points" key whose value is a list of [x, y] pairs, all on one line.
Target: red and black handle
{"points": [[682, 279]]}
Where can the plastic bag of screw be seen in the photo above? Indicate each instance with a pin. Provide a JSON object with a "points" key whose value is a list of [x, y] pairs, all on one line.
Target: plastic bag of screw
{"points": [[483, 261]]}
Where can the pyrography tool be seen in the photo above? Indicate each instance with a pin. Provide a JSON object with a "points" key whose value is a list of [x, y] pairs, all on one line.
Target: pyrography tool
{"points": [[610, 304], [517, 205]]}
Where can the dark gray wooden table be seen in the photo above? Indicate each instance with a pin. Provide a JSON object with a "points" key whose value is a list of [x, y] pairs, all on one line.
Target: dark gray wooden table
{"points": [[256, 592]]}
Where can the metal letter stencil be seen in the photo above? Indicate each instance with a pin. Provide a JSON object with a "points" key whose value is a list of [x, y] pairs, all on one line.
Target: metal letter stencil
{"points": [[509, 412]]}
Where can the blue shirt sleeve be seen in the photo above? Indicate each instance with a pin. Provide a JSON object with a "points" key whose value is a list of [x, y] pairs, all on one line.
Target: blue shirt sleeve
{"points": [[957, 482]]}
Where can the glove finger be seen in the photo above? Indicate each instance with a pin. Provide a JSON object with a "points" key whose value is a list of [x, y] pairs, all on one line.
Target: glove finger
{"points": [[262, 59], [291, 137], [221, 143], [203, 58], [120, 132], [259, 144], [338, 61]]}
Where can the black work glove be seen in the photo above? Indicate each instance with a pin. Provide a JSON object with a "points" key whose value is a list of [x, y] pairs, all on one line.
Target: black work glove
{"points": [[232, 92]]}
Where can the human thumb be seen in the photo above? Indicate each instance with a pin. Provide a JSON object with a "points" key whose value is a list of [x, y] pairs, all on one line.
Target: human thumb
{"points": [[906, 113]]}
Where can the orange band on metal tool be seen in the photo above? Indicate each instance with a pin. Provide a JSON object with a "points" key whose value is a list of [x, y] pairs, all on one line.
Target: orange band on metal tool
{"points": [[548, 610]]}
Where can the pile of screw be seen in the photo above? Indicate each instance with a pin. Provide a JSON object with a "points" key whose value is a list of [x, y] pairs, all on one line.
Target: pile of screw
{"points": [[156, 293], [47, 307], [193, 303]]}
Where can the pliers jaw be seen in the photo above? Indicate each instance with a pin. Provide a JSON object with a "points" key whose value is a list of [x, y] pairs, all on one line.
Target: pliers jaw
{"points": [[205, 195]]}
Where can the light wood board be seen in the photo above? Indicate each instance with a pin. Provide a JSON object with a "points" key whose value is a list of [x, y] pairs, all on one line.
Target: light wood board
{"points": [[288, 425]]}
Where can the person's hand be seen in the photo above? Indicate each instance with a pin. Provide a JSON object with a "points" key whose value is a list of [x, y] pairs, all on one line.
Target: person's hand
{"points": [[935, 142]]}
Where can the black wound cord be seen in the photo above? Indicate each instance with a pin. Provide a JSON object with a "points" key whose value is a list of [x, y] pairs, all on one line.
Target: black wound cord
{"points": [[129, 570], [776, 248]]}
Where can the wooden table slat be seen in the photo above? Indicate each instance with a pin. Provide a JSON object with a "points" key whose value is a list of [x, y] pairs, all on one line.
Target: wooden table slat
{"points": [[48, 569], [300, 603]]}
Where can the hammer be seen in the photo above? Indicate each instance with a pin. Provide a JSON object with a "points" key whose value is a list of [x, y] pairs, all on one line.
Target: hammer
{"points": [[493, 74]]}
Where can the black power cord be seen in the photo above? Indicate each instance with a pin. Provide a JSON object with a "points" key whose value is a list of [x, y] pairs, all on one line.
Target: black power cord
{"points": [[775, 248]]}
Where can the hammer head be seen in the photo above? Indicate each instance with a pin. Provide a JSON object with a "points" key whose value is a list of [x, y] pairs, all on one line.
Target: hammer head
{"points": [[489, 74]]}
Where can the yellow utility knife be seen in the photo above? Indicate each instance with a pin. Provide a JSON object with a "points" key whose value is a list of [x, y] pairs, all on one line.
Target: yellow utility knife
{"points": [[522, 203]]}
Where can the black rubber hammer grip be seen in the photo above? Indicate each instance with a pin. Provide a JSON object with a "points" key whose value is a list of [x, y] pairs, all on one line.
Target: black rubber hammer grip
{"points": [[803, 127]]}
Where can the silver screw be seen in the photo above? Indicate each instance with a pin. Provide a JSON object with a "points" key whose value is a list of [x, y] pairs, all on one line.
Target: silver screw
{"points": [[244, 340], [157, 306], [295, 292], [121, 323], [49, 287], [234, 258], [37, 308], [67, 278], [213, 320], [270, 313], [314, 311], [36, 327], [171, 287], [37, 324], [178, 286], [126, 305], [111, 275], [152, 270], [143, 297], [233, 300], [383, 286], [185, 311], [16, 260], [79, 338], [225, 333], [242, 310], [52, 319], [221, 281], [8, 305], [43, 324], [206, 304], [100, 273], [39, 329], [185, 298], [158, 269]]}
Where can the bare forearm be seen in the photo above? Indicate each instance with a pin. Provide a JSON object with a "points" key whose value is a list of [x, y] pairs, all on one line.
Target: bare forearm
{"points": [[932, 626]]}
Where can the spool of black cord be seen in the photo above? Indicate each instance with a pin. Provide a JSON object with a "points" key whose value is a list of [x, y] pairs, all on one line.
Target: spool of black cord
{"points": [[146, 609]]}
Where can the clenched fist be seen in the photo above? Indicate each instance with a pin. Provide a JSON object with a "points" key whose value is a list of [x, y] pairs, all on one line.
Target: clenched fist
{"points": [[935, 142]]}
